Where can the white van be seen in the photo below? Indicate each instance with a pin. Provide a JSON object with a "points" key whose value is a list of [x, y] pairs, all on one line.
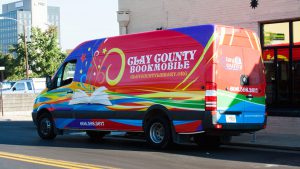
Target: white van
{"points": [[34, 85]]}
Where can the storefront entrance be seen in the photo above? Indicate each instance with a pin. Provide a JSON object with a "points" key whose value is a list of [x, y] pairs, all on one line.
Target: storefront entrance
{"points": [[281, 55]]}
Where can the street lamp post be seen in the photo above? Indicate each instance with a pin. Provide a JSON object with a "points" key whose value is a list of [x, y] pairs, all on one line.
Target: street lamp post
{"points": [[25, 43]]}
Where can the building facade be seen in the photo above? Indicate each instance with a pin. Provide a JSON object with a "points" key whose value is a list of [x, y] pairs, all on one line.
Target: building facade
{"points": [[276, 22], [25, 14]]}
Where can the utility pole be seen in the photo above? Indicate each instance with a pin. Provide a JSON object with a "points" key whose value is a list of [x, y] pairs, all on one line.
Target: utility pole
{"points": [[26, 53], [1, 99]]}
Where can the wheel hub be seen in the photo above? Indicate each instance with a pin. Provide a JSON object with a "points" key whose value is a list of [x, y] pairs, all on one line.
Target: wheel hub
{"points": [[45, 126], [157, 133]]}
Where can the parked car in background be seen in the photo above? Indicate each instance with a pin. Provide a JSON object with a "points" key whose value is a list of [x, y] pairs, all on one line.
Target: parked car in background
{"points": [[34, 85]]}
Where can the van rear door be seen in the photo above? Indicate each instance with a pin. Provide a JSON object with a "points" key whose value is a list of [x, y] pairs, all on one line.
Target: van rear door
{"points": [[240, 78], [229, 69], [254, 91]]}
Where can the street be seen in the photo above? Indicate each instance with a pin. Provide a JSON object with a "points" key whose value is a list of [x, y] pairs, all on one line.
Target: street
{"points": [[20, 147]]}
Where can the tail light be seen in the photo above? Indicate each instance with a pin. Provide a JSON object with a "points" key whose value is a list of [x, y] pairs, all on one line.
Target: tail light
{"points": [[211, 96], [218, 126]]}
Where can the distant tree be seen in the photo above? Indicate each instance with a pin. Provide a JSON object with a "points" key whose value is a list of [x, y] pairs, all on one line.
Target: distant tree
{"points": [[44, 53], [11, 71]]}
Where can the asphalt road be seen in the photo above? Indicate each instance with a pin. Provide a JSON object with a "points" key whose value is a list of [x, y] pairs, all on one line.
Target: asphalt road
{"points": [[20, 147]]}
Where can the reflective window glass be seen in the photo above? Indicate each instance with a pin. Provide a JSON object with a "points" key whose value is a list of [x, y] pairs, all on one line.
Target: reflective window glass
{"points": [[268, 55], [29, 85], [276, 34], [20, 86], [296, 29]]}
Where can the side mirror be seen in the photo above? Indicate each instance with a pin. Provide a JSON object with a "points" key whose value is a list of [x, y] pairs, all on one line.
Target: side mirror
{"points": [[14, 89], [48, 82]]}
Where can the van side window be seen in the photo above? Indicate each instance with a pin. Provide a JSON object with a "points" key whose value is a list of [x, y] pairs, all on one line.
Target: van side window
{"points": [[65, 74], [69, 73], [29, 85], [20, 86]]}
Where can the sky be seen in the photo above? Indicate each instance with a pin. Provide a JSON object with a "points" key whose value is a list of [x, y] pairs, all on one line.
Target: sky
{"points": [[83, 20]]}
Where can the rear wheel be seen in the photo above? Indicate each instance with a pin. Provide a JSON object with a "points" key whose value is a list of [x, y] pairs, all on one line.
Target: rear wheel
{"points": [[207, 141], [158, 132], [45, 127], [96, 135]]}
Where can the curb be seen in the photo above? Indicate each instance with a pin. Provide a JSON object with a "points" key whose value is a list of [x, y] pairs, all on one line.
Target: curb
{"points": [[16, 118], [265, 146]]}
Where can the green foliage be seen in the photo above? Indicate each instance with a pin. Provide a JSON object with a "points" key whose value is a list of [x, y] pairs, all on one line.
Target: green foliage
{"points": [[8, 62], [44, 55]]}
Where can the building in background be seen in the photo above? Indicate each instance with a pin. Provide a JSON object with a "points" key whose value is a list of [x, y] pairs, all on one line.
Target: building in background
{"points": [[31, 13], [276, 22], [54, 18]]}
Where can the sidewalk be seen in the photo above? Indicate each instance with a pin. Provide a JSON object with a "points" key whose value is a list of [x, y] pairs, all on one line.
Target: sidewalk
{"points": [[269, 140], [16, 116], [281, 132]]}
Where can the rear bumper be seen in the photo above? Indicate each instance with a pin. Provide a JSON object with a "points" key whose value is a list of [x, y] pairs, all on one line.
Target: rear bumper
{"points": [[208, 125], [235, 129], [204, 121]]}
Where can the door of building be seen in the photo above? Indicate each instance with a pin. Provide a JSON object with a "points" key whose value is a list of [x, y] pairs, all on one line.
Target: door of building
{"points": [[281, 55]]}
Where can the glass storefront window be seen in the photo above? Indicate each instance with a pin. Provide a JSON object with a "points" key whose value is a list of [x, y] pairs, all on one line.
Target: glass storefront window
{"points": [[296, 75], [282, 73], [276, 34], [268, 55], [296, 33]]}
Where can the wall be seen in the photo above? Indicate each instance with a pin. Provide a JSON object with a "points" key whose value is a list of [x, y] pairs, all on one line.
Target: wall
{"points": [[17, 103], [148, 15], [39, 14]]}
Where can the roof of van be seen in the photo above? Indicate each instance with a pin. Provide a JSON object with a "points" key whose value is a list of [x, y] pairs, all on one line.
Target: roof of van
{"points": [[192, 31]]}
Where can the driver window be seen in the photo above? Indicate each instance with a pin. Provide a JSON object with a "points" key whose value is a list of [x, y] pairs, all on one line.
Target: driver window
{"points": [[66, 74]]}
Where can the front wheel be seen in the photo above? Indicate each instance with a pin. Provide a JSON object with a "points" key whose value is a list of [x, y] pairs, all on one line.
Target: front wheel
{"points": [[45, 127], [158, 132]]}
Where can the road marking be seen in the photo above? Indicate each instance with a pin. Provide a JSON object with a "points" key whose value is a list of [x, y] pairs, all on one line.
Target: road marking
{"points": [[51, 162]]}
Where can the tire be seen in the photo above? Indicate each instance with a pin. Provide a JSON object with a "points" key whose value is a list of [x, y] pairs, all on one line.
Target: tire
{"points": [[46, 127], [158, 133], [207, 141], [96, 136]]}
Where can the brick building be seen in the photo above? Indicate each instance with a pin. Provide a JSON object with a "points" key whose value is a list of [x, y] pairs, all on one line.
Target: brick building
{"points": [[276, 22]]}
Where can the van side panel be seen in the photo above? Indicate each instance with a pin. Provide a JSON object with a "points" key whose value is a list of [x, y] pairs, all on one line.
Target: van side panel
{"points": [[118, 79]]}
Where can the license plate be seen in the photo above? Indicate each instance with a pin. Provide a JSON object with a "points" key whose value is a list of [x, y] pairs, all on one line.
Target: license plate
{"points": [[230, 119]]}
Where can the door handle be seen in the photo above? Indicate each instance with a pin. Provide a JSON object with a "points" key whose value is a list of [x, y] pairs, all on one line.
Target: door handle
{"points": [[70, 92], [249, 96]]}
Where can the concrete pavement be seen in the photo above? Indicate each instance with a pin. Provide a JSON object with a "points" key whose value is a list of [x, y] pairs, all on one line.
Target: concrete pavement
{"points": [[20, 141], [281, 132]]}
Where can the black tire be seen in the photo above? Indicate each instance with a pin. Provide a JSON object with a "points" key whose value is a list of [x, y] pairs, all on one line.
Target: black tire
{"points": [[207, 141], [158, 132], [46, 127], [96, 136]]}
